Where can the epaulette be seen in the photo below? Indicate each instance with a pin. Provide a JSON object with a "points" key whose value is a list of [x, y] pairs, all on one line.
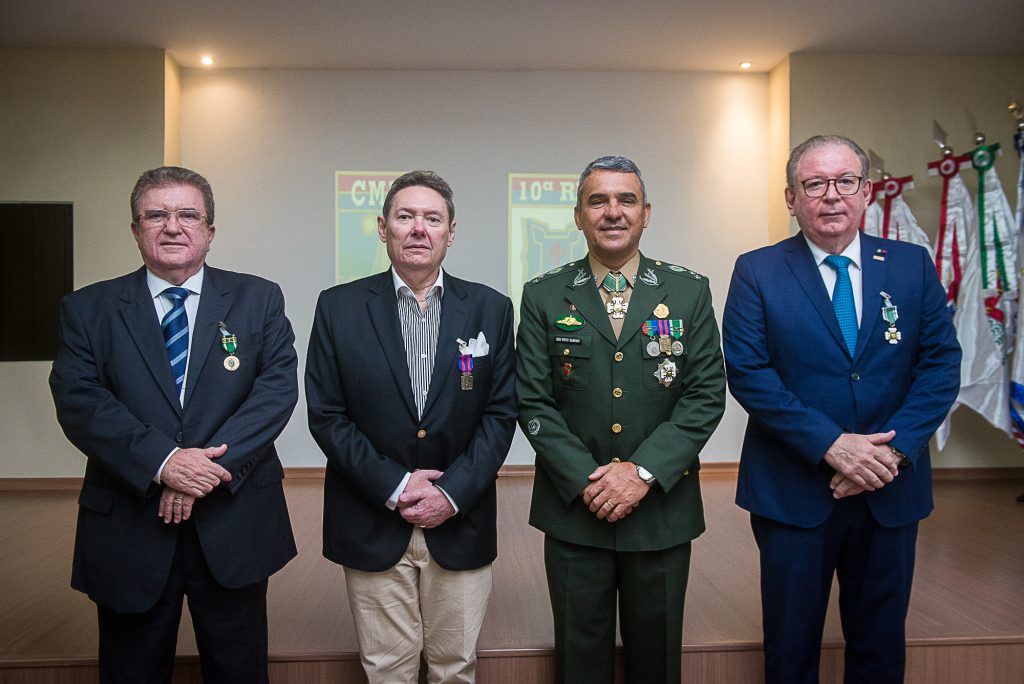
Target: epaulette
{"points": [[564, 268], [682, 270]]}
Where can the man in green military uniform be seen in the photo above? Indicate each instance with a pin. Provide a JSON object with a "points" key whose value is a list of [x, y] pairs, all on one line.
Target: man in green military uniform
{"points": [[620, 385]]}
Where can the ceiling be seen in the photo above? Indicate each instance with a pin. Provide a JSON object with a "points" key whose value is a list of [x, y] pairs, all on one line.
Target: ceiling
{"points": [[520, 35]]}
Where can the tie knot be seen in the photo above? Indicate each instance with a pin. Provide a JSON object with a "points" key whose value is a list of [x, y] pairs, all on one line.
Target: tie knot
{"points": [[838, 262], [176, 294]]}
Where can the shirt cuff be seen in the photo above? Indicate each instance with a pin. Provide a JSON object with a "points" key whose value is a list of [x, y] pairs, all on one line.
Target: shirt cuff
{"points": [[392, 503], [450, 499], [160, 470]]}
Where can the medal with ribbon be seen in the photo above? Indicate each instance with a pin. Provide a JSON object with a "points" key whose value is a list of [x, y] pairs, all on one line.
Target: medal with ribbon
{"points": [[466, 369], [676, 330], [230, 344], [890, 315]]}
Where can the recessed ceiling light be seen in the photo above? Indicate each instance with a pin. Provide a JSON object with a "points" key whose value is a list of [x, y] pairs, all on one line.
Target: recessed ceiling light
{"points": [[207, 60], [745, 65]]}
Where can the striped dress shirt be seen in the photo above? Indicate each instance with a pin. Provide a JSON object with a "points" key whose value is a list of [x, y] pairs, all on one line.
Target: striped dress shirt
{"points": [[419, 334]]}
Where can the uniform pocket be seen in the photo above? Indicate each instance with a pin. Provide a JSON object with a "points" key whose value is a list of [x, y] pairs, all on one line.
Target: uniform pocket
{"points": [[570, 359]]}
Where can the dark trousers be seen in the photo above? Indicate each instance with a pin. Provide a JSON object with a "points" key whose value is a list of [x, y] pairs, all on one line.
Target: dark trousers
{"points": [[874, 566], [584, 582], [230, 627]]}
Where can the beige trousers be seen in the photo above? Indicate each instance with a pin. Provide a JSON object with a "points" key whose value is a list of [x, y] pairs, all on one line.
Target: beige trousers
{"points": [[418, 606]]}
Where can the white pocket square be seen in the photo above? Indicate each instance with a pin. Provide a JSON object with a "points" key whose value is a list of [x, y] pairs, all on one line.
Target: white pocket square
{"points": [[476, 347]]}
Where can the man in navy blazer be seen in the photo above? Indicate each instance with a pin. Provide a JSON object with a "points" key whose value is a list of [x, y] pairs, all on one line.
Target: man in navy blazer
{"points": [[410, 390], [182, 492], [842, 351]]}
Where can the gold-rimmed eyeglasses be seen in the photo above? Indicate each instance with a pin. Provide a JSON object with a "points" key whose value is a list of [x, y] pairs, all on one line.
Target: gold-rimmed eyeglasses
{"points": [[157, 218]]}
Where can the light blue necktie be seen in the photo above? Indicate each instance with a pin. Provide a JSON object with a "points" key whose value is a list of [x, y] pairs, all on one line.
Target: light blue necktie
{"points": [[842, 300], [175, 328]]}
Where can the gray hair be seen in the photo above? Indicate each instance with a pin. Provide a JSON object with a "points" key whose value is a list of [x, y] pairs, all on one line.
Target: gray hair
{"points": [[818, 141], [611, 163], [169, 176], [427, 179]]}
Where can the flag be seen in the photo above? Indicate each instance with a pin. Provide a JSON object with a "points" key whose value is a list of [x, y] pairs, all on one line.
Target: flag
{"points": [[998, 232], [1017, 370], [983, 377], [890, 216], [951, 240]]}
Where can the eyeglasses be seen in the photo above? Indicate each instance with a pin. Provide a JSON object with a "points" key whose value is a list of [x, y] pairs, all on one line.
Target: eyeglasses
{"points": [[157, 218], [845, 185]]}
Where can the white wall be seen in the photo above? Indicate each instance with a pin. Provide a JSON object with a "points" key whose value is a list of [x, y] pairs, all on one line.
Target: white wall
{"points": [[270, 142], [76, 126]]}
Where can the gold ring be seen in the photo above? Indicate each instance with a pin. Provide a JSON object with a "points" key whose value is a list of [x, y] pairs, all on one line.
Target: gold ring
{"points": [[610, 503]]}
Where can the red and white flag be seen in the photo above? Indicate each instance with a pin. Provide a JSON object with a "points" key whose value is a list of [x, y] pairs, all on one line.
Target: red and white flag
{"points": [[889, 216]]}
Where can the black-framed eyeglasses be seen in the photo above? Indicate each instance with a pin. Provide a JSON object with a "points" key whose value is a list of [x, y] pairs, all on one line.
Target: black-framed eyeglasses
{"points": [[157, 218], [845, 185]]}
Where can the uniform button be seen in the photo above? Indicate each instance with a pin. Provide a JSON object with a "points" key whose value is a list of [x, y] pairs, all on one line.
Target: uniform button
{"points": [[855, 376], [616, 428], [179, 438], [421, 434], [617, 392], [565, 352], [657, 263], [618, 356], [685, 473]]}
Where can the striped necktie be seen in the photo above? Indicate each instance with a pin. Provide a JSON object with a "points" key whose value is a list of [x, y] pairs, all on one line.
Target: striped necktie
{"points": [[842, 300], [175, 329]]}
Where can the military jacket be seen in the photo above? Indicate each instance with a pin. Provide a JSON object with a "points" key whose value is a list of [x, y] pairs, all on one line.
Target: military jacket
{"points": [[586, 397]]}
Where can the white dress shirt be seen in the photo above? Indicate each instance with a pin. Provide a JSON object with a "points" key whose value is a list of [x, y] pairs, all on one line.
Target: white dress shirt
{"points": [[828, 274]]}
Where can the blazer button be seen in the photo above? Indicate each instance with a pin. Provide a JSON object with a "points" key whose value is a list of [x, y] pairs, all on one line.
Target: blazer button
{"points": [[618, 356], [685, 473], [179, 438], [855, 376], [421, 434], [616, 428], [617, 392]]}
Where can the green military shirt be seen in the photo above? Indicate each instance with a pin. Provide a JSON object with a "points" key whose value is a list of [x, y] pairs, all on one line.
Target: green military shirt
{"points": [[586, 397]]}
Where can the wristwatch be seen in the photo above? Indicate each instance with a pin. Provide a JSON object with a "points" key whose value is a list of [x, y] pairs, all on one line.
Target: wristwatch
{"points": [[645, 474], [904, 461]]}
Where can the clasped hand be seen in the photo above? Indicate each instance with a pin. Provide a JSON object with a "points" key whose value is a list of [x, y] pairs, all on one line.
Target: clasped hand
{"points": [[189, 474], [863, 463], [614, 491], [423, 504]]}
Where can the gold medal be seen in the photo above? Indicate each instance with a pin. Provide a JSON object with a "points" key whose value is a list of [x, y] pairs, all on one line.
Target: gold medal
{"points": [[231, 363], [661, 311], [665, 344], [466, 381]]}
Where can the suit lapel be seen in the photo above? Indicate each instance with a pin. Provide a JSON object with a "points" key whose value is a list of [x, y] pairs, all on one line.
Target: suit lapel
{"points": [[801, 263], [214, 303], [143, 326], [647, 293], [873, 274], [451, 327], [582, 293], [383, 310]]}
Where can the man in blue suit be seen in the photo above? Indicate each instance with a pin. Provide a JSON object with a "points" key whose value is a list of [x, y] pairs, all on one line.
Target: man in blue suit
{"points": [[841, 349], [174, 381], [410, 386]]}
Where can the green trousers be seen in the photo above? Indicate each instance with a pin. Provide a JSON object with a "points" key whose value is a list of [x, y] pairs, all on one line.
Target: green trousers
{"points": [[584, 583]]}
